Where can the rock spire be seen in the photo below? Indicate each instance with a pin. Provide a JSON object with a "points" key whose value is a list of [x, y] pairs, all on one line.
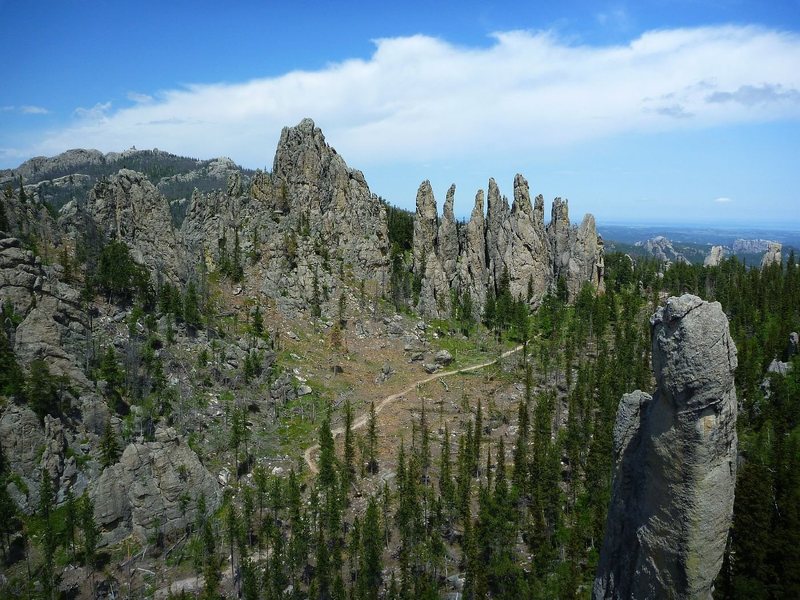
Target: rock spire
{"points": [[675, 452], [512, 239]]}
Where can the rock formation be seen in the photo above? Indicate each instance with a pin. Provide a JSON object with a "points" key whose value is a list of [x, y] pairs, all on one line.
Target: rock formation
{"points": [[447, 238], [661, 248], [512, 240], [527, 256], [472, 258], [714, 257], [128, 208], [742, 246], [675, 452], [772, 255], [434, 296], [155, 484], [52, 326], [334, 198]]}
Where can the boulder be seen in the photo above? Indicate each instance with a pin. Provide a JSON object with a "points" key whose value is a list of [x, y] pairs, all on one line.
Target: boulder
{"points": [[675, 455], [443, 357]]}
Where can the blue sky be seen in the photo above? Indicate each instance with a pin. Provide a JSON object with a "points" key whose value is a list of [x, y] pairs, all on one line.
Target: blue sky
{"points": [[660, 111]]}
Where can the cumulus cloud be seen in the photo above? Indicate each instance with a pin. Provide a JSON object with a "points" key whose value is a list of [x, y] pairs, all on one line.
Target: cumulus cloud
{"points": [[722, 200], [420, 98]]}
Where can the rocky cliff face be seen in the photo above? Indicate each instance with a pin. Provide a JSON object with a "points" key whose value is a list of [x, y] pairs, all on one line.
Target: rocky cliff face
{"points": [[155, 485], [512, 240], [305, 225], [334, 200], [675, 452], [52, 325], [128, 208]]}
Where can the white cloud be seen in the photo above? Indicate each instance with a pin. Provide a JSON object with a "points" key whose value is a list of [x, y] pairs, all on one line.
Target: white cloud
{"points": [[420, 98], [97, 113], [29, 109], [139, 98], [722, 200], [25, 109]]}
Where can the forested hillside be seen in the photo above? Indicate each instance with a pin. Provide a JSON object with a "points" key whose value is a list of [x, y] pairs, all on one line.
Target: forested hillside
{"points": [[507, 506]]}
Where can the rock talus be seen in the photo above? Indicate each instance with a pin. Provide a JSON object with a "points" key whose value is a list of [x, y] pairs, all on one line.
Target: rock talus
{"points": [[675, 471]]}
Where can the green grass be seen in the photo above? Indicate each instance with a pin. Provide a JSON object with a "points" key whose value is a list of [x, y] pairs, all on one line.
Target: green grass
{"points": [[479, 347]]}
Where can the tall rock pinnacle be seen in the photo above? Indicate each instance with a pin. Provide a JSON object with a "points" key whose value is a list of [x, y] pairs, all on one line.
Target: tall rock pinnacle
{"points": [[434, 297], [672, 495], [448, 237]]}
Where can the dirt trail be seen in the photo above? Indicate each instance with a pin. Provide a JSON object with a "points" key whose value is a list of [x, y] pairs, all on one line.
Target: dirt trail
{"points": [[358, 423]]}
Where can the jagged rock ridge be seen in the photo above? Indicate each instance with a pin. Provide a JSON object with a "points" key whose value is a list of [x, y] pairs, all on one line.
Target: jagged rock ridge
{"points": [[512, 240], [675, 453]]}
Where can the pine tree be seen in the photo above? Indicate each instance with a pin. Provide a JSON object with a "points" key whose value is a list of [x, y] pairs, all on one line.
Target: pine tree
{"points": [[327, 458], [91, 533], [321, 586], [476, 439], [46, 506], [191, 308], [348, 470], [520, 475], [372, 441], [109, 448], [4, 225], [371, 563], [12, 380], [232, 530], [8, 513], [258, 322], [41, 390], [446, 488]]}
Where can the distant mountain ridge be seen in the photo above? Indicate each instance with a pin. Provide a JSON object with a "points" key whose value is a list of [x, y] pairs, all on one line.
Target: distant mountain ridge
{"points": [[72, 174]]}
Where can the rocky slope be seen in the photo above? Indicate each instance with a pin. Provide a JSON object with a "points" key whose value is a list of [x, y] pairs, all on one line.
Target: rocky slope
{"points": [[675, 452], [298, 239]]}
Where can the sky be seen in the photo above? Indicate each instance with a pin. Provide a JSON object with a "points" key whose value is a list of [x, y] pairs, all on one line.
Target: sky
{"points": [[657, 111]]}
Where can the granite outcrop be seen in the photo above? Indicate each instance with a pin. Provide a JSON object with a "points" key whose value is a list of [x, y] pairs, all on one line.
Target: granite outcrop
{"points": [[676, 456]]}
